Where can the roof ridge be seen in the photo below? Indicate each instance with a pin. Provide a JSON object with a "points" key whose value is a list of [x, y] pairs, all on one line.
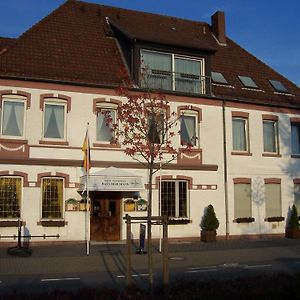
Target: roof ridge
{"points": [[139, 11]]}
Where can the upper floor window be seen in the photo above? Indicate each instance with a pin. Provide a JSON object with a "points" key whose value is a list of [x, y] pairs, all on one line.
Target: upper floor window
{"points": [[12, 117], [106, 117], [189, 129], [54, 120], [169, 71], [10, 197], [52, 198], [240, 134], [174, 199], [295, 129], [270, 134]]}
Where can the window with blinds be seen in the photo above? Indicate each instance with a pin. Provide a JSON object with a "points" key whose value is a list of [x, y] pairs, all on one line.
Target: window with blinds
{"points": [[52, 198], [10, 197], [242, 200], [297, 196], [273, 200]]}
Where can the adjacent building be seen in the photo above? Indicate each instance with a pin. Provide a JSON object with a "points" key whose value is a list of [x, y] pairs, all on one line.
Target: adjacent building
{"points": [[242, 118]]}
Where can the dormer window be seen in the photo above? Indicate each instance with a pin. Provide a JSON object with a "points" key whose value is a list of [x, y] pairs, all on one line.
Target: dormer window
{"points": [[168, 71], [248, 82], [278, 86]]}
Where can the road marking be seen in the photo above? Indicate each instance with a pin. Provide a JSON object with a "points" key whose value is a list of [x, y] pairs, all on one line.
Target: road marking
{"points": [[230, 265], [257, 266], [202, 268], [177, 258], [134, 275], [297, 262], [60, 279], [201, 271]]}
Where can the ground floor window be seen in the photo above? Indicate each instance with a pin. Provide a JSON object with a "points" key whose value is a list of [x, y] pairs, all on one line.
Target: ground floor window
{"points": [[273, 200], [297, 196], [242, 200], [174, 199], [10, 197], [52, 198]]}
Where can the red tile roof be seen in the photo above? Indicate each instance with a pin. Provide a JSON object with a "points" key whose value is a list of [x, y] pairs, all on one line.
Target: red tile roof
{"points": [[71, 46], [5, 42]]}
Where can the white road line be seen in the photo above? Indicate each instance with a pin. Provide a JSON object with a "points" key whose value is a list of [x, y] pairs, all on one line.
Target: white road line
{"points": [[257, 266], [134, 275], [201, 271], [297, 262], [202, 268], [60, 279]]}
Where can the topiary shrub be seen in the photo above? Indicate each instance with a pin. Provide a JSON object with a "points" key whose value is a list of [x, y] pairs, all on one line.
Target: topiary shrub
{"points": [[209, 221], [293, 222]]}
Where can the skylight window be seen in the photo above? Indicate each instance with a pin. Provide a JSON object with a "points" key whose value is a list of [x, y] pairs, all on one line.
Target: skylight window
{"points": [[248, 82], [278, 86], [218, 77]]}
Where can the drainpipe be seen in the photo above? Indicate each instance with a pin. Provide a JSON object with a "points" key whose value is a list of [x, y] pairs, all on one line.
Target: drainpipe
{"points": [[225, 170]]}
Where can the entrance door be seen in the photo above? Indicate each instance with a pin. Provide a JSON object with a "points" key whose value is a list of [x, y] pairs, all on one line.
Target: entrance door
{"points": [[105, 220]]}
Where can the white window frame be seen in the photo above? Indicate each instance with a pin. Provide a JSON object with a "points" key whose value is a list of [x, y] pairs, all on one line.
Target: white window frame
{"points": [[276, 133], [173, 71], [21, 200], [177, 199], [63, 199], [106, 107], [194, 114], [57, 102], [13, 98], [246, 133]]}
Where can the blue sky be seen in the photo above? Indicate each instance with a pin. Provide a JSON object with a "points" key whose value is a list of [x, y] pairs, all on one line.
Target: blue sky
{"points": [[269, 29]]}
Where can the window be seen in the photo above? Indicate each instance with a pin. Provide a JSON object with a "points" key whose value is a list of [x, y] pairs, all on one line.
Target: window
{"points": [[174, 199], [295, 130], [106, 117], [248, 82], [172, 72], [12, 117], [270, 133], [10, 197], [240, 134], [156, 130], [278, 86], [218, 77], [54, 120], [242, 200], [273, 200], [188, 129], [52, 198], [297, 196]]}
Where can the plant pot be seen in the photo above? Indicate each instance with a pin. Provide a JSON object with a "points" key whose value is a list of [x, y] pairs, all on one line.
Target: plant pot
{"points": [[208, 235], [292, 233]]}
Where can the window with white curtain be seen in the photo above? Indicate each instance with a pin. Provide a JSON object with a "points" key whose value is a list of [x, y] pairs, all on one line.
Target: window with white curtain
{"points": [[297, 196], [295, 131], [270, 133], [12, 117], [174, 199], [273, 200], [169, 71], [240, 134], [188, 129], [242, 200], [54, 120], [106, 117]]}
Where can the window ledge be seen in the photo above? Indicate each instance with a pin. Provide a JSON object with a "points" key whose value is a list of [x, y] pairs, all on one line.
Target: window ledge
{"points": [[265, 154], [11, 223], [13, 140], [241, 153], [60, 143], [179, 221], [52, 223], [102, 145], [274, 219], [295, 155], [244, 220]]}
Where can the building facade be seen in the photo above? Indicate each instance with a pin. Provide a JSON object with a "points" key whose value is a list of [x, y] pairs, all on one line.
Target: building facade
{"points": [[241, 118]]}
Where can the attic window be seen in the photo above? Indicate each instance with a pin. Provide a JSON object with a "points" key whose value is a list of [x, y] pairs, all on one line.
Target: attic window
{"points": [[248, 82], [278, 86], [218, 77]]}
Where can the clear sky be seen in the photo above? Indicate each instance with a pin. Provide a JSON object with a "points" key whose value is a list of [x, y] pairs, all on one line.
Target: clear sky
{"points": [[269, 29]]}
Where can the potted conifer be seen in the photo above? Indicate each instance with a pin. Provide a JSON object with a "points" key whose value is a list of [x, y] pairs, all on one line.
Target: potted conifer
{"points": [[209, 225], [292, 230]]}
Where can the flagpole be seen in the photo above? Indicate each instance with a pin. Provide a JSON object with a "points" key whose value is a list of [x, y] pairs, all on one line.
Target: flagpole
{"points": [[88, 206]]}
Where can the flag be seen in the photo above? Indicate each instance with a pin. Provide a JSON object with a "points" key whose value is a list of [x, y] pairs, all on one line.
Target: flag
{"points": [[86, 152]]}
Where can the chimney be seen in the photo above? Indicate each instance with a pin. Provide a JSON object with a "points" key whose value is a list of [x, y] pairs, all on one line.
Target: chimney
{"points": [[218, 26]]}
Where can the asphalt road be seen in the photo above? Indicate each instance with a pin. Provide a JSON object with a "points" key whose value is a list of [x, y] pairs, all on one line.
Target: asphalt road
{"points": [[68, 267]]}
